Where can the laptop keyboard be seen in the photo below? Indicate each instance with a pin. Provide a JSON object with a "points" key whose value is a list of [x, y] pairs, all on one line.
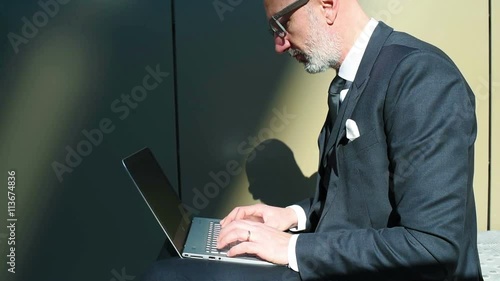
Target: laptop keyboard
{"points": [[213, 234]]}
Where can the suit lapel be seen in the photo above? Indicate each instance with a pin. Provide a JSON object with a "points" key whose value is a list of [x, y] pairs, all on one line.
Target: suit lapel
{"points": [[379, 36], [337, 125], [377, 41], [322, 139], [350, 103]]}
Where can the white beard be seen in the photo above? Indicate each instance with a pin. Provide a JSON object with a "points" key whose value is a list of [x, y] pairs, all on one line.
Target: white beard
{"points": [[322, 51]]}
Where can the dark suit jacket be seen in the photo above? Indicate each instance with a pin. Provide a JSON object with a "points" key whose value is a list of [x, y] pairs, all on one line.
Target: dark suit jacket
{"points": [[399, 203]]}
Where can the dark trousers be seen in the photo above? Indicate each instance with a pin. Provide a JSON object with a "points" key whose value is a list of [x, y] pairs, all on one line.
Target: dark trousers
{"points": [[170, 267]]}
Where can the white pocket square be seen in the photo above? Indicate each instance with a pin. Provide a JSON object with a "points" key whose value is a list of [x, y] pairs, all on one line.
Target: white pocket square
{"points": [[352, 130]]}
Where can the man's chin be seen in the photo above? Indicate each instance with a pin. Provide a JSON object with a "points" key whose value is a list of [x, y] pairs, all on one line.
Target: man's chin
{"points": [[308, 66]]}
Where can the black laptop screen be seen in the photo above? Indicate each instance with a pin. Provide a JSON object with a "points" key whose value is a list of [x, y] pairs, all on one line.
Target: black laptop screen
{"points": [[160, 195]]}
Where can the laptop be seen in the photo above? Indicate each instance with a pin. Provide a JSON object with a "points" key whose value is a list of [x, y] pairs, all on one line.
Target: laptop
{"points": [[191, 237]]}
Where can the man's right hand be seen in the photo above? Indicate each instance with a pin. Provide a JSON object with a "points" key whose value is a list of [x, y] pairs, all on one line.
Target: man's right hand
{"points": [[279, 218]]}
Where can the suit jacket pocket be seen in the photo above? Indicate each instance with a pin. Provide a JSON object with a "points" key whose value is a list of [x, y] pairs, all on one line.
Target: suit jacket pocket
{"points": [[360, 144], [363, 168]]}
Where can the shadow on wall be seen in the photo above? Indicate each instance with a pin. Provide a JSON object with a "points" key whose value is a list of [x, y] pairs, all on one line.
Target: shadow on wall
{"points": [[274, 176]]}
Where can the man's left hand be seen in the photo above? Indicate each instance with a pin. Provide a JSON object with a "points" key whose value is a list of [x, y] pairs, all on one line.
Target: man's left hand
{"points": [[255, 238]]}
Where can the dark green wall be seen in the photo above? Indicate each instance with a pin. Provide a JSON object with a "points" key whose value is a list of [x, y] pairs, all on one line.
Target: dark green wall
{"points": [[62, 79], [90, 223]]}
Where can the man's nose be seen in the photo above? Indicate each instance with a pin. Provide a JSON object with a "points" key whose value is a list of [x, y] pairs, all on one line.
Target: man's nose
{"points": [[281, 45]]}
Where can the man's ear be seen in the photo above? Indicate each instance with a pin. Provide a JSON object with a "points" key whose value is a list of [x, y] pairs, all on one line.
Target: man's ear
{"points": [[330, 8]]}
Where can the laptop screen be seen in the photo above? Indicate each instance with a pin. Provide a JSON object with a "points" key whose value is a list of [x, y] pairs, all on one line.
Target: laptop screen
{"points": [[160, 196]]}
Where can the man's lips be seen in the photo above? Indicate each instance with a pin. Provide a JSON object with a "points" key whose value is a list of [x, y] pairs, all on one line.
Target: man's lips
{"points": [[300, 57]]}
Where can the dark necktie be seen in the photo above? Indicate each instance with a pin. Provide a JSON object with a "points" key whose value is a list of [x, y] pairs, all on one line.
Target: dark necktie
{"points": [[338, 84]]}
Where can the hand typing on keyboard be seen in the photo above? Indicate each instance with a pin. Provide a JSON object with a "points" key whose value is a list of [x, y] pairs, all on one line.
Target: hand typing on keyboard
{"points": [[213, 235], [241, 237]]}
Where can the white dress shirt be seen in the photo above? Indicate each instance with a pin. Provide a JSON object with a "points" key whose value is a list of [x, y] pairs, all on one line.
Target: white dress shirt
{"points": [[348, 71]]}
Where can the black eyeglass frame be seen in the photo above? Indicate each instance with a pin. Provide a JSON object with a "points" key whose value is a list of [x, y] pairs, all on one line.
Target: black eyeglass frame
{"points": [[278, 28]]}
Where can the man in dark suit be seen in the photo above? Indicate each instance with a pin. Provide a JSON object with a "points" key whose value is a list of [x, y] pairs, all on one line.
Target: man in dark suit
{"points": [[394, 199]]}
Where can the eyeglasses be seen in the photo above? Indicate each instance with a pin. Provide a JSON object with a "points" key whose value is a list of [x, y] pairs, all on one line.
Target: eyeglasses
{"points": [[276, 27]]}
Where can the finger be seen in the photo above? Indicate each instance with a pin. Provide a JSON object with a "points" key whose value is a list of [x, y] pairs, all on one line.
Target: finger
{"points": [[240, 225], [233, 236], [272, 248], [254, 212], [228, 234], [240, 231], [237, 225], [250, 221], [247, 212], [253, 219], [230, 217], [244, 248]]}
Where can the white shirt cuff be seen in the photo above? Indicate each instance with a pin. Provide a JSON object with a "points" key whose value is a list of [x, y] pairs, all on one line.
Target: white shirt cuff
{"points": [[292, 257], [301, 218]]}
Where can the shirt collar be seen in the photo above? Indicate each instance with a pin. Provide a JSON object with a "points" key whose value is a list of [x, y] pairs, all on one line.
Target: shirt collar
{"points": [[351, 63]]}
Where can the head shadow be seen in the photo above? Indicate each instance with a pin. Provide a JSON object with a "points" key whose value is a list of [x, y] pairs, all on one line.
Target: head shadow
{"points": [[274, 176]]}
